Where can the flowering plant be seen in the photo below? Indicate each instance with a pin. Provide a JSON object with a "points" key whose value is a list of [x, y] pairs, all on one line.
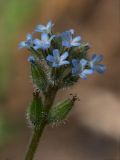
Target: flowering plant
{"points": [[57, 61]]}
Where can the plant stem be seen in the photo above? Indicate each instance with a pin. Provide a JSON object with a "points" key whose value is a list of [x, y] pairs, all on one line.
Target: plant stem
{"points": [[34, 142], [48, 102]]}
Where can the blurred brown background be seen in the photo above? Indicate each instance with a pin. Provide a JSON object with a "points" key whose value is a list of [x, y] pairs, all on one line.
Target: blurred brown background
{"points": [[92, 132]]}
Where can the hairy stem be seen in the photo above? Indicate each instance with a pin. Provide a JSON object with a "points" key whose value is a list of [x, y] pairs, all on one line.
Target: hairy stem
{"points": [[48, 102], [34, 142]]}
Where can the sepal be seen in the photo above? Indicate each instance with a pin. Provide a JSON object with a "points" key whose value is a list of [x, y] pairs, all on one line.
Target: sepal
{"points": [[39, 77], [84, 47], [60, 112], [35, 112], [80, 52], [70, 81]]}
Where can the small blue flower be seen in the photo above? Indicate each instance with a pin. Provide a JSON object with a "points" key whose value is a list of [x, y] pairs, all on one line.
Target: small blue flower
{"points": [[79, 68], [68, 41], [94, 63], [31, 59], [45, 29], [58, 60], [28, 43], [44, 43]]}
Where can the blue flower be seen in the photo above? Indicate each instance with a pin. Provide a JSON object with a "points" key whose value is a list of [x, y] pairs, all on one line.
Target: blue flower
{"points": [[56, 59], [45, 29], [28, 43], [94, 63], [44, 43], [31, 59], [68, 41], [79, 68]]}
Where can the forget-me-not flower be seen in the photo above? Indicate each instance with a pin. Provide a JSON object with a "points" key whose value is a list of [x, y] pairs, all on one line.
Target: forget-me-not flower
{"points": [[94, 63], [45, 29], [68, 40], [44, 43], [79, 68], [56, 59], [28, 43]]}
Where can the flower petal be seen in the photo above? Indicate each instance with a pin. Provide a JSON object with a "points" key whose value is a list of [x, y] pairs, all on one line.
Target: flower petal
{"points": [[45, 46], [76, 39], [83, 62], [64, 62], [55, 65], [22, 44], [36, 42], [100, 68], [50, 58], [96, 58], [36, 47], [83, 76], [75, 63], [66, 44], [88, 71], [50, 25], [40, 28], [64, 56], [56, 53], [74, 71], [66, 36], [28, 37], [75, 44], [44, 37]]}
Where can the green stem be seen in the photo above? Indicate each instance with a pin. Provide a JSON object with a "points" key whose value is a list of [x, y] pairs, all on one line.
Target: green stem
{"points": [[34, 142], [48, 102]]}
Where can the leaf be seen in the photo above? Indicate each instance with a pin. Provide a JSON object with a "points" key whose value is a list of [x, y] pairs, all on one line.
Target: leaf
{"points": [[60, 111]]}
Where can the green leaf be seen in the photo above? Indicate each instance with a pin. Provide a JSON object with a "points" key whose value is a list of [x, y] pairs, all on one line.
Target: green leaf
{"points": [[39, 77], [35, 113], [60, 111]]}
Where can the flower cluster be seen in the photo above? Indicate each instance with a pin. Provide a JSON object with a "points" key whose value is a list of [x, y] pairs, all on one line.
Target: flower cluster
{"points": [[57, 61], [65, 54]]}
